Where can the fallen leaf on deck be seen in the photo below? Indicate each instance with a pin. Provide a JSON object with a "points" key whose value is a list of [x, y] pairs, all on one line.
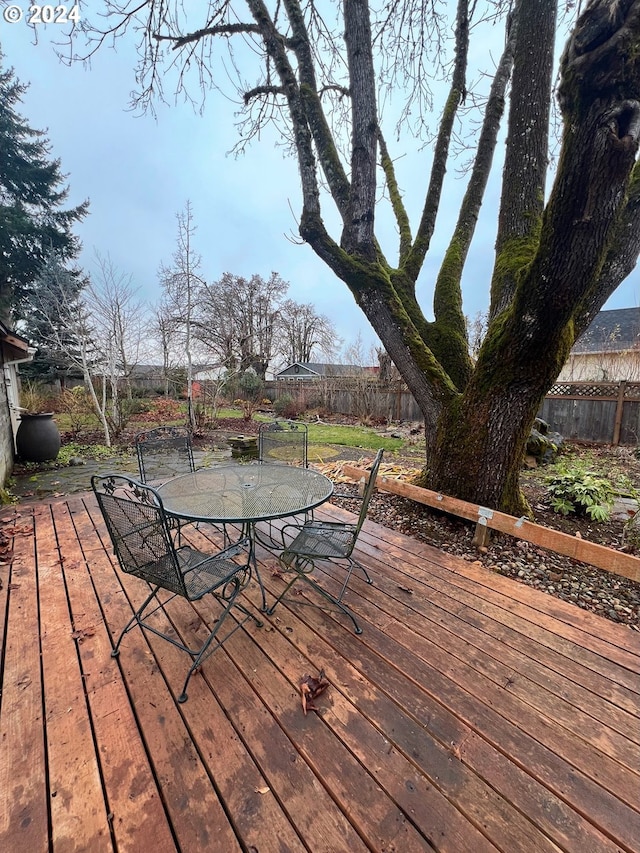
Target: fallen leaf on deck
{"points": [[310, 688], [83, 633], [264, 790]]}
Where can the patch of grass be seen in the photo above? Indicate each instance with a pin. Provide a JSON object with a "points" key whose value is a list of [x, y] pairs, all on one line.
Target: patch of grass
{"points": [[321, 453], [228, 412], [352, 436], [87, 451]]}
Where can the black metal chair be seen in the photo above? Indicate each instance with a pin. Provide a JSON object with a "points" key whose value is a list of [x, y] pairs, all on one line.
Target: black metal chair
{"points": [[164, 452], [142, 542], [283, 441], [330, 541]]}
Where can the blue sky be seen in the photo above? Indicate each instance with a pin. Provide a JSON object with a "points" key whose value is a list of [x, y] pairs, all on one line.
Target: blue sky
{"points": [[138, 171]]}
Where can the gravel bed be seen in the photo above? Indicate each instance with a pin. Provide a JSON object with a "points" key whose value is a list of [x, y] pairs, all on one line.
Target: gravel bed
{"points": [[609, 595]]}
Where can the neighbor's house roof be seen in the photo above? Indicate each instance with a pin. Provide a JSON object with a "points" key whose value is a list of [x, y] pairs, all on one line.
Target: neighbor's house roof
{"points": [[143, 371], [617, 330], [319, 370]]}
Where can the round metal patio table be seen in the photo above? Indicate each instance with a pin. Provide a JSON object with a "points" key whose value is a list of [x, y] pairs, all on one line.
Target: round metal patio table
{"points": [[245, 493]]}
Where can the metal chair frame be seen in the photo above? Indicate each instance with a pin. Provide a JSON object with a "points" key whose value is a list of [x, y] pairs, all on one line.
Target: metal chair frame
{"points": [[172, 442], [329, 541], [285, 442], [139, 531], [175, 444]]}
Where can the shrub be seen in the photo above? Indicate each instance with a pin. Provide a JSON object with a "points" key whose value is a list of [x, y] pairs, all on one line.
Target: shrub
{"points": [[77, 405], [286, 407], [575, 489], [161, 411], [33, 397]]}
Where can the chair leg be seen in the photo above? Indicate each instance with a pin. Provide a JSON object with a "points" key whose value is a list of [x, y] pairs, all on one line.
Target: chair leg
{"points": [[135, 620], [352, 565], [327, 596], [205, 649]]}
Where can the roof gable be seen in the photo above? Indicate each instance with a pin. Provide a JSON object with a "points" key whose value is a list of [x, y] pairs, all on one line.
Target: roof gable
{"points": [[616, 330], [317, 368]]}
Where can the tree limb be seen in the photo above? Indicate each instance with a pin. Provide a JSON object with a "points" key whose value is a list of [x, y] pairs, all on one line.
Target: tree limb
{"points": [[258, 91], [220, 30], [526, 157], [447, 337], [276, 50], [358, 233], [457, 92], [328, 156], [397, 204]]}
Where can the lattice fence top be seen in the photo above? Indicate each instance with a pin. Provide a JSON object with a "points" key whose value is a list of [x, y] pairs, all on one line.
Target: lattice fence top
{"points": [[594, 389]]}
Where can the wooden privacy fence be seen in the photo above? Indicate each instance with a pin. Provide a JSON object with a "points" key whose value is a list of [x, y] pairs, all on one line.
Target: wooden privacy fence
{"points": [[598, 412], [390, 400]]}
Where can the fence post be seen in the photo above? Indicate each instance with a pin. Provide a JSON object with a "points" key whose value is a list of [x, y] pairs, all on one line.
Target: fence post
{"points": [[622, 387]]}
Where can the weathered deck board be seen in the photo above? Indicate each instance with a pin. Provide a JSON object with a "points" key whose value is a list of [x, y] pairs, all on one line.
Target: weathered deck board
{"points": [[25, 800], [473, 713]]}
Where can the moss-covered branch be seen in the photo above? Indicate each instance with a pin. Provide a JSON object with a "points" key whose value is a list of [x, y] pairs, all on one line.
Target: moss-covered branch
{"points": [[415, 258], [276, 50], [526, 157], [358, 234], [448, 334], [372, 285], [621, 258], [395, 196], [328, 155]]}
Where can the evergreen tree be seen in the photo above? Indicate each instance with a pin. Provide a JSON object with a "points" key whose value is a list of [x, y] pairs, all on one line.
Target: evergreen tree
{"points": [[33, 220], [50, 320]]}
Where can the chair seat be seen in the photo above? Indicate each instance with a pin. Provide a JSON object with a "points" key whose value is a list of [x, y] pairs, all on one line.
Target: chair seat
{"points": [[202, 574], [319, 539]]}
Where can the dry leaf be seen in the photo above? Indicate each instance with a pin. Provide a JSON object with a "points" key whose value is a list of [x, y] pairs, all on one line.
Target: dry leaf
{"points": [[264, 790], [82, 633], [310, 688]]}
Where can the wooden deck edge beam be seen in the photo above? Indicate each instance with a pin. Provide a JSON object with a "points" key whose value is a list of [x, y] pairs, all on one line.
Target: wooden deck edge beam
{"points": [[582, 550]]}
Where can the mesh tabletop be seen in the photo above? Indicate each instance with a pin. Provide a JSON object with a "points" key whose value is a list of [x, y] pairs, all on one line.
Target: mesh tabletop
{"points": [[240, 492]]}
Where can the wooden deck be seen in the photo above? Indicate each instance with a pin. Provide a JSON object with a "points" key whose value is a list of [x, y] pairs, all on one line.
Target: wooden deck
{"points": [[473, 714]]}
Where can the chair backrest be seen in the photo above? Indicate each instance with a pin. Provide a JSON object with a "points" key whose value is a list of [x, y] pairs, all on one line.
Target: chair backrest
{"points": [[139, 532], [284, 442], [164, 452], [368, 490]]}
